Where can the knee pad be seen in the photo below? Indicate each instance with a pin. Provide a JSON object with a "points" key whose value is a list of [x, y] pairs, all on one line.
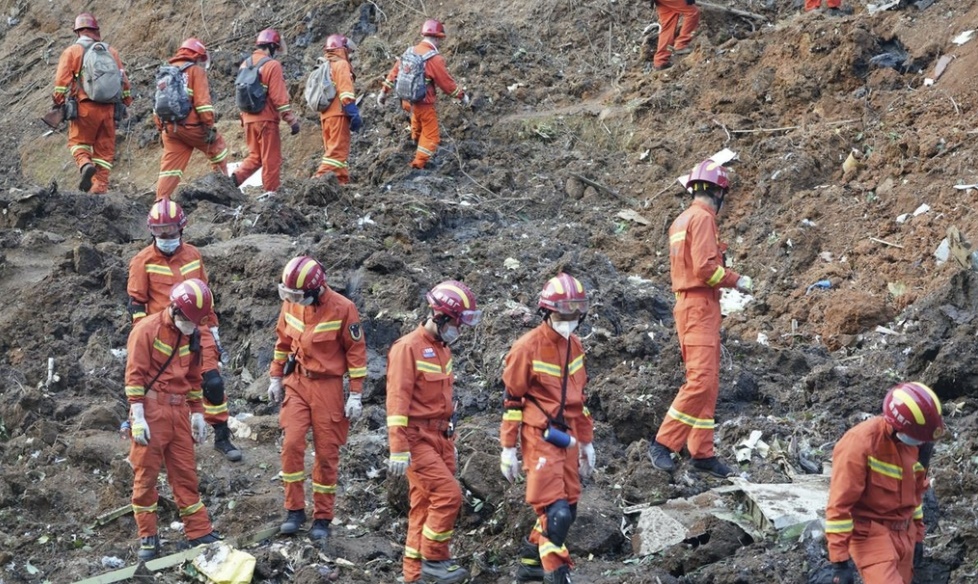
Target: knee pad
{"points": [[213, 386], [559, 520]]}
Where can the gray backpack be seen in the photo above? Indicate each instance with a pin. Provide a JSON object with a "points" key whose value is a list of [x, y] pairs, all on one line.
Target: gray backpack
{"points": [[320, 89], [410, 83], [249, 94], [171, 103], [100, 75]]}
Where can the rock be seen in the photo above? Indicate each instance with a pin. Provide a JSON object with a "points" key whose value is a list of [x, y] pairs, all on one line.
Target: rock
{"points": [[481, 475], [86, 260], [574, 188], [596, 530], [100, 417], [383, 262]]}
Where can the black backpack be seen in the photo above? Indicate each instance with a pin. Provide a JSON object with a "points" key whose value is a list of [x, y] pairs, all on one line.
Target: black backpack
{"points": [[249, 94]]}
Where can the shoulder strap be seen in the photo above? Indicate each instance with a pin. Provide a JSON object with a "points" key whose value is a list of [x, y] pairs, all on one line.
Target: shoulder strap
{"points": [[186, 66], [429, 54], [165, 364], [262, 61]]}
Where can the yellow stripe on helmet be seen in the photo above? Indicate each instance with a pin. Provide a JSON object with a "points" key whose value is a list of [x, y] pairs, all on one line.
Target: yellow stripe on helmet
{"points": [[303, 273], [198, 293], [908, 401], [461, 294], [933, 396]]}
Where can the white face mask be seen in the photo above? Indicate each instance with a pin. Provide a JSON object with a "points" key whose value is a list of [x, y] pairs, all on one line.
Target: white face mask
{"points": [[908, 440], [167, 246], [449, 334], [564, 328], [185, 326]]}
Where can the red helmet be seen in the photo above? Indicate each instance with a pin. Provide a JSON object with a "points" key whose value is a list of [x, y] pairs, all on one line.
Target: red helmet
{"points": [[455, 300], [338, 41], [165, 217], [85, 20], [269, 36], [564, 294], [433, 28], [914, 409], [708, 172], [193, 299], [303, 273], [195, 46]]}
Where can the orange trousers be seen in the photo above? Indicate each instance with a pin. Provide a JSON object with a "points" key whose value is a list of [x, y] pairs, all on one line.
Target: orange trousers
{"points": [[336, 148], [816, 4], [551, 475], [670, 11], [179, 142], [213, 413], [316, 404], [424, 130], [91, 139], [264, 152], [882, 555], [435, 498], [170, 443], [690, 417]]}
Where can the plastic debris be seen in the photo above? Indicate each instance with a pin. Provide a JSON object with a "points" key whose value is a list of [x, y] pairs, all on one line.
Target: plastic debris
{"points": [[732, 301], [943, 251], [222, 564], [963, 37], [746, 448], [820, 285], [921, 209], [112, 562], [511, 264]]}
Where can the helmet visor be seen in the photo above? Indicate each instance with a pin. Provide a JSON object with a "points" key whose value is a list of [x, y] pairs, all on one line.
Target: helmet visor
{"points": [[571, 307], [290, 294], [168, 231], [470, 317]]}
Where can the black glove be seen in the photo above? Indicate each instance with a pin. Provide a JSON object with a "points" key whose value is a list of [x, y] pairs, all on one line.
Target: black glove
{"points": [[690, 2], [211, 135], [295, 128], [918, 554]]}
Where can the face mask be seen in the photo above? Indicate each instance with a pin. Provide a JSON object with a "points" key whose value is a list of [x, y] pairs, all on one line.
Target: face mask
{"points": [[564, 328], [908, 440], [449, 334], [167, 246], [185, 326]]}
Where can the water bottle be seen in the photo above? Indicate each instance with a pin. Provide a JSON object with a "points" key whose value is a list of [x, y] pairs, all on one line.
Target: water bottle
{"points": [[558, 437]]}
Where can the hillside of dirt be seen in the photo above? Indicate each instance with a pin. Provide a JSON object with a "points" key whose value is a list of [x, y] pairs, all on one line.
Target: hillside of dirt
{"points": [[850, 168]]}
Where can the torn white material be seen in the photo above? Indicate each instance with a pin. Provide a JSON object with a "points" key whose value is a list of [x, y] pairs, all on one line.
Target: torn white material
{"points": [[775, 507], [746, 449], [762, 339], [902, 218], [222, 564], [511, 264], [874, 8], [732, 301], [656, 530], [252, 181], [966, 187], [921, 209], [963, 37], [943, 251]]}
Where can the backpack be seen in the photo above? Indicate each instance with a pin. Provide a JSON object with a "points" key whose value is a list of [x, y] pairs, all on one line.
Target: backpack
{"points": [[172, 103], [320, 89], [100, 75], [410, 83], [249, 94]]}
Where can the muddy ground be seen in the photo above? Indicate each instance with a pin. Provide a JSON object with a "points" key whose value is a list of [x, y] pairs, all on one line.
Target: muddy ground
{"points": [[569, 127]]}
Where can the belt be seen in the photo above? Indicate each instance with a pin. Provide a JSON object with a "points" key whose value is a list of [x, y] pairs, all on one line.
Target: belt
{"points": [[436, 423], [172, 399], [312, 374], [704, 292], [891, 525]]}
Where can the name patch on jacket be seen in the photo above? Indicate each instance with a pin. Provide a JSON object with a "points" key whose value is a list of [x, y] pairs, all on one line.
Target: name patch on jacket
{"points": [[428, 353], [356, 333]]}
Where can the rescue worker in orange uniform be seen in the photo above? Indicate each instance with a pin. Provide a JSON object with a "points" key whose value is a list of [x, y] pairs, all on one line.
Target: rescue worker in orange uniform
{"points": [[424, 118], [670, 12], [166, 416], [91, 136], [544, 410], [152, 273], [421, 432], [696, 259], [342, 116], [197, 130], [261, 129], [834, 6], [319, 339], [875, 515]]}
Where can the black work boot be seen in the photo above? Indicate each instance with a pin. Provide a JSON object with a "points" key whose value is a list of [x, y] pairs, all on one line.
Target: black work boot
{"points": [[530, 569], [222, 442], [293, 521], [206, 539], [661, 457], [442, 572], [559, 576], [87, 172], [149, 548], [712, 465], [320, 529]]}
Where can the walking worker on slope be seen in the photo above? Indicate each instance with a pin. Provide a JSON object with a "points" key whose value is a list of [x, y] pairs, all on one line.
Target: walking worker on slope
{"points": [[424, 118], [696, 259], [342, 116], [420, 385], [92, 118], [670, 11], [152, 274], [875, 514], [544, 408], [319, 339], [261, 127], [166, 415], [197, 130], [834, 7]]}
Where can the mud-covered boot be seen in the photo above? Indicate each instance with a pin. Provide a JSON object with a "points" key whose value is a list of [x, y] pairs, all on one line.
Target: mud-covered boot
{"points": [[293, 521], [87, 173], [206, 539], [320, 529], [222, 442], [661, 457], [559, 576], [442, 572], [149, 548], [713, 466], [530, 569]]}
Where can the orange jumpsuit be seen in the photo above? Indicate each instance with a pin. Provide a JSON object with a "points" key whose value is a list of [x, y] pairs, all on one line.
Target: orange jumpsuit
{"points": [[328, 343], [816, 4], [424, 119], [670, 11], [697, 270], [152, 275], [181, 138], [261, 129], [91, 137], [535, 367], [336, 125], [167, 403], [875, 513], [420, 384]]}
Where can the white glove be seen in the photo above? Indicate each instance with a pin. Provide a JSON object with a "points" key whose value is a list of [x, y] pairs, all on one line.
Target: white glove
{"points": [[745, 284], [138, 425], [222, 354], [586, 459], [509, 464], [354, 406], [398, 463], [381, 98], [465, 100], [275, 390], [198, 427]]}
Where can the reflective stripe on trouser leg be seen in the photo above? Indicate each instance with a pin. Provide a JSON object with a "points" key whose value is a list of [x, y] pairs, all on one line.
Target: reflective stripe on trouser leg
{"points": [[336, 147], [429, 137], [551, 475], [434, 493]]}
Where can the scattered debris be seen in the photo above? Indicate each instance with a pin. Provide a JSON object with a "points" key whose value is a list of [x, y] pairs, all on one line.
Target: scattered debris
{"points": [[959, 247], [111, 516], [511, 264], [921, 209], [966, 187], [632, 215], [776, 507], [746, 449], [874, 8], [732, 301], [887, 243], [963, 37], [222, 564], [896, 289], [112, 562], [820, 285], [656, 530]]}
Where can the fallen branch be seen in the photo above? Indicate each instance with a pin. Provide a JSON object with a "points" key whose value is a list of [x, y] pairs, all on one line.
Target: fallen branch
{"points": [[111, 516], [786, 128], [884, 242], [599, 186], [734, 11]]}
